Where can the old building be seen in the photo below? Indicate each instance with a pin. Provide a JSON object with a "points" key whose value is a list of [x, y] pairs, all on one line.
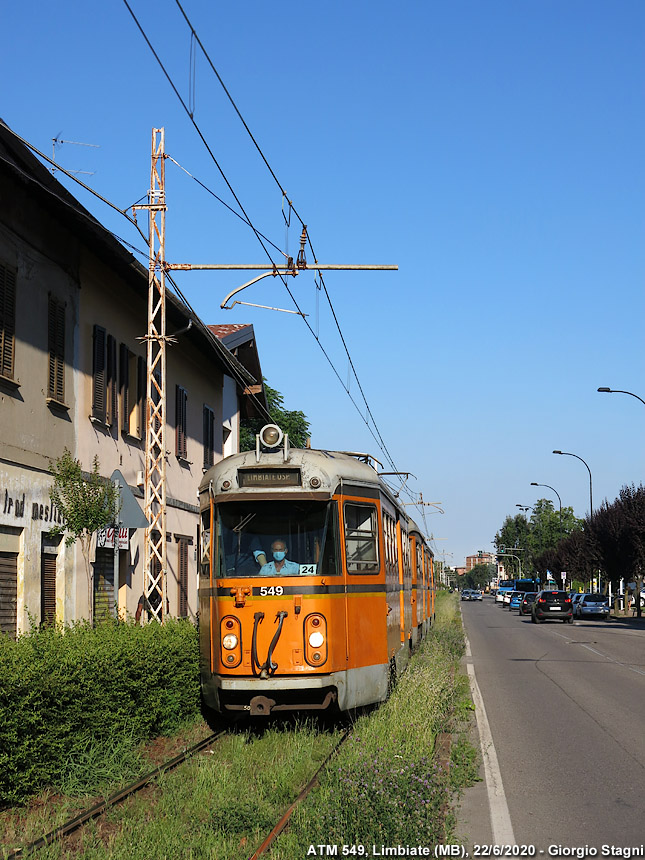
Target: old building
{"points": [[73, 310]]}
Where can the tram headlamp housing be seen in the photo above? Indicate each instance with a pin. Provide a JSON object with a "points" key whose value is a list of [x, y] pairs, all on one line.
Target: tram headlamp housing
{"points": [[229, 642], [316, 639], [271, 436]]}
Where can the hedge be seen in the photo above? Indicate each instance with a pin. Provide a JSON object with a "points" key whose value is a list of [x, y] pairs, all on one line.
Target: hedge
{"points": [[62, 688]]}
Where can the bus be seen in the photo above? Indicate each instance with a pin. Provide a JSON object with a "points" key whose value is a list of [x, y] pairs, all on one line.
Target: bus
{"points": [[505, 586]]}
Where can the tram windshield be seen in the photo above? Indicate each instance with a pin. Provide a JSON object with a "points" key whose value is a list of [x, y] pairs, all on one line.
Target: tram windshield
{"points": [[276, 538]]}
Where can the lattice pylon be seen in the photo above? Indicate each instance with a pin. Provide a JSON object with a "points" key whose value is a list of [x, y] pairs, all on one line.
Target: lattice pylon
{"points": [[155, 556]]}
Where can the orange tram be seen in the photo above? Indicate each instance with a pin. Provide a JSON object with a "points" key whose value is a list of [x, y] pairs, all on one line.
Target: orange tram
{"points": [[315, 585]]}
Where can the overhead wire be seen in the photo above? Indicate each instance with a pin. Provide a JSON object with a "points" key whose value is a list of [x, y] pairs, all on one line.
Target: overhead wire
{"points": [[89, 217], [376, 435], [292, 208]]}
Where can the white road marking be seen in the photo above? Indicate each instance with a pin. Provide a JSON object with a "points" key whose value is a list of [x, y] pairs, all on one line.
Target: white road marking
{"points": [[500, 818], [599, 653]]}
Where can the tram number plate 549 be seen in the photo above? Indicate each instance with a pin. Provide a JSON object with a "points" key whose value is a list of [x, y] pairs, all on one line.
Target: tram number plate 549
{"points": [[271, 590]]}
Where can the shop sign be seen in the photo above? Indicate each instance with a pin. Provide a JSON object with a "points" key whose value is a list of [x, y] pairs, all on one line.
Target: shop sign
{"points": [[105, 538]]}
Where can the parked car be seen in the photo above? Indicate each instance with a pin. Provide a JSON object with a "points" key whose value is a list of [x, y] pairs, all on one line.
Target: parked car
{"points": [[594, 605], [527, 602], [516, 599], [551, 605], [575, 597]]}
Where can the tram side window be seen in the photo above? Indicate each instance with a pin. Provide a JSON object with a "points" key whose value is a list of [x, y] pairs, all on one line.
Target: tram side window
{"points": [[361, 538]]}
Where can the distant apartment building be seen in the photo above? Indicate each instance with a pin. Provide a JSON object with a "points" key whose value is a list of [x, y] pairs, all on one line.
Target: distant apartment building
{"points": [[479, 558], [73, 314]]}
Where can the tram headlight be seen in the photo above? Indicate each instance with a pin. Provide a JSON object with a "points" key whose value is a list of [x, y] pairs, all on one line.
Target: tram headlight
{"points": [[316, 639], [271, 435], [230, 641]]}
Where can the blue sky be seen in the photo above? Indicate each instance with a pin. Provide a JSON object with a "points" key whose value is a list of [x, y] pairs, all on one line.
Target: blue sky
{"points": [[493, 150]]}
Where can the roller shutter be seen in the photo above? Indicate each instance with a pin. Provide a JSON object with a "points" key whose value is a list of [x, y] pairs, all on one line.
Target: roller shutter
{"points": [[103, 584], [8, 593]]}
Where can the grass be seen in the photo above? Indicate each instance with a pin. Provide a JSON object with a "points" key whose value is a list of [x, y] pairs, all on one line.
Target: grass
{"points": [[385, 786]]}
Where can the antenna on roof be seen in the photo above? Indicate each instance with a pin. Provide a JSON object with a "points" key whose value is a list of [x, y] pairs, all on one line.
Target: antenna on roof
{"points": [[57, 141]]}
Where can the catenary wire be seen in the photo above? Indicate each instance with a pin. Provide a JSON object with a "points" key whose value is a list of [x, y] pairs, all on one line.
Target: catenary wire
{"points": [[89, 217], [291, 208], [181, 100]]}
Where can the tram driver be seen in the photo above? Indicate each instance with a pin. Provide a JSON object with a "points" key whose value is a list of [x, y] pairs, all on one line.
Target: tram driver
{"points": [[280, 565]]}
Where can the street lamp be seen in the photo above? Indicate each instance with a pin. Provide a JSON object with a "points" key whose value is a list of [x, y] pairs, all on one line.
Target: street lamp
{"points": [[619, 391], [534, 484], [567, 454]]}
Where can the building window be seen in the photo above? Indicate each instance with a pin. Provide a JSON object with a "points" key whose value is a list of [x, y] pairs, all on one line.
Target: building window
{"points": [[181, 402], [209, 437], [98, 375], [7, 321], [56, 347]]}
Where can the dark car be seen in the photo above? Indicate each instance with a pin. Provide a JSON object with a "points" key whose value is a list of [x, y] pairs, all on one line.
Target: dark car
{"points": [[527, 602], [551, 605]]}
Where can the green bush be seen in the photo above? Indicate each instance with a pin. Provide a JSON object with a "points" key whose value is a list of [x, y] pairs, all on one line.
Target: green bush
{"points": [[62, 689]]}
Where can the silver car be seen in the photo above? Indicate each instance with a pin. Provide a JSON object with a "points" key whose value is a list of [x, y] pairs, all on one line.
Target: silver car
{"points": [[592, 605]]}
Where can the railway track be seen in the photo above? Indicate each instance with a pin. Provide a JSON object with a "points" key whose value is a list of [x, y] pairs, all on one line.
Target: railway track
{"points": [[103, 806], [284, 820], [93, 812]]}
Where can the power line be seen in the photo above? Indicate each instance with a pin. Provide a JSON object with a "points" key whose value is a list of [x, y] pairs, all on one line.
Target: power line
{"points": [[89, 217], [380, 442]]}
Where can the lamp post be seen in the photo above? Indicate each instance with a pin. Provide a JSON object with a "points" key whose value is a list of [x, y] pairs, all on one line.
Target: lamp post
{"points": [[567, 454], [534, 484], [620, 391]]}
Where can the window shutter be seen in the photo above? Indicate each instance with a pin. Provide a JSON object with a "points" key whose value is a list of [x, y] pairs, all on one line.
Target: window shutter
{"points": [[142, 397], [98, 374], [181, 448], [182, 547], [124, 372], [56, 338], [209, 437], [7, 321], [48, 588], [112, 388]]}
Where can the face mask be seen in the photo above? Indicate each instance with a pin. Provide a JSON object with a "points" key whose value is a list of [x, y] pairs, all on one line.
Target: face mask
{"points": [[278, 556]]}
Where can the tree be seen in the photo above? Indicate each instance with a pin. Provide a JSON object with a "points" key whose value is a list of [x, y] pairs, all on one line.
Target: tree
{"points": [[479, 576], [294, 423], [86, 503], [535, 540], [617, 532]]}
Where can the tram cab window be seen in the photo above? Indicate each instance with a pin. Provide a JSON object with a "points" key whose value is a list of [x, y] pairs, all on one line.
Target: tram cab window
{"points": [[247, 532], [361, 538]]}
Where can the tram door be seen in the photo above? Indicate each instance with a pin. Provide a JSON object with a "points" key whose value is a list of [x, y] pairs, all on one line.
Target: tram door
{"points": [[363, 599]]}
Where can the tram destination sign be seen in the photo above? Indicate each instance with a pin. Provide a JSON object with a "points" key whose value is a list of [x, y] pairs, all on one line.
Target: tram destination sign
{"points": [[269, 477]]}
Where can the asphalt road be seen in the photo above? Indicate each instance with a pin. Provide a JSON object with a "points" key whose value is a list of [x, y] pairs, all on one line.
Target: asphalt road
{"points": [[566, 709]]}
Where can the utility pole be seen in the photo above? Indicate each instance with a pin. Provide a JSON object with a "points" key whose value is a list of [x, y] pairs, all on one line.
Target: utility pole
{"points": [[155, 556]]}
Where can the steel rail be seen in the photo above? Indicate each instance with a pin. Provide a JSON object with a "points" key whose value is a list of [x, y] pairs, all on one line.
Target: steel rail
{"points": [[282, 823], [101, 807]]}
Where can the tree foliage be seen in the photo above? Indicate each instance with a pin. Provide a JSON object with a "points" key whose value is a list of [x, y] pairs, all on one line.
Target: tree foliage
{"points": [[535, 540], [479, 576], [611, 542], [87, 503], [292, 422]]}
